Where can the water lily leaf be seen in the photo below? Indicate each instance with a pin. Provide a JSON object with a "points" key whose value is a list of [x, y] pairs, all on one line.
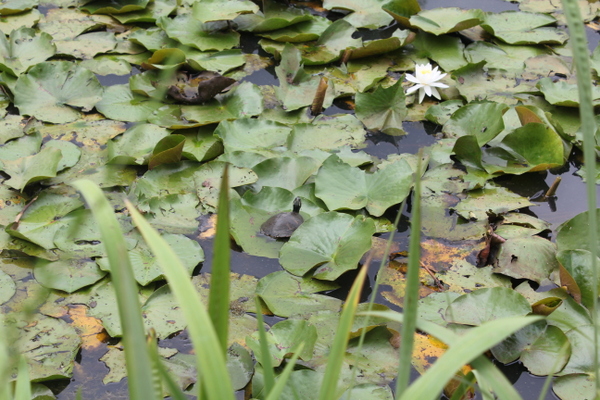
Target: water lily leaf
{"points": [[191, 32], [252, 134], [286, 294], [562, 93], [511, 348], [51, 90], [283, 338], [219, 10], [114, 7], [68, 274], [273, 16], [202, 146], [440, 113], [152, 39], [135, 145], [384, 109], [168, 150], [70, 153], [485, 305], [447, 51], [286, 172], [30, 169], [65, 24], [531, 258], [301, 32], [496, 200], [244, 101], [548, 350], [472, 77], [24, 49], [218, 61], [327, 133], [296, 88], [518, 27], [49, 345], [366, 14], [10, 7], [379, 46], [480, 119], [41, 220], [88, 45], [153, 11], [579, 265], [120, 103], [502, 56], [582, 351], [7, 286], [402, 10], [332, 242], [341, 186], [447, 19], [575, 386], [573, 234], [26, 19], [240, 365]]}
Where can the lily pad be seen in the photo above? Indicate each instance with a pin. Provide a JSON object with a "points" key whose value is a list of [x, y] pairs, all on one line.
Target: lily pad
{"points": [[191, 32], [30, 169], [10, 7], [24, 49], [286, 294], [490, 200], [384, 109], [51, 91], [135, 145], [365, 13], [573, 234], [446, 20], [120, 103], [273, 16], [67, 274], [332, 242], [480, 119], [518, 27], [219, 10], [341, 186]]}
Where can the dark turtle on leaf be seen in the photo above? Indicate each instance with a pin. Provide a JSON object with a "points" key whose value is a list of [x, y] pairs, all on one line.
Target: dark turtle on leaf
{"points": [[282, 225]]}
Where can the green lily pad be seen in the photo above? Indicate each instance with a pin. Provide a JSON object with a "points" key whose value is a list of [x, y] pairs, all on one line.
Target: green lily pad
{"points": [[573, 234], [582, 351], [167, 151], [219, 10], [518, 27], [510, 349], [384, 109], [283, 338], [446, 20], [26, 19], [218, 61], [494, 200], [51, 90], [447, 51], [135, 145], [70, 153], [30, 169], [273, 16], [541, 356], [114, 7], [485, 305], [402, 10], [24, 49], [191, 32], [202, 146], [7, 286], [531, 258], [575, 386], [501, 56], [286, 294], [480, 119], [341, 186], [327, 133], [285, 172], [88, 45], [10, 7], [564, 94], [120, 103], [68, 275], [332, 242], [365, 13], [579, 265], [153, 11], [252, 134], [65, 24], [301, 32]]}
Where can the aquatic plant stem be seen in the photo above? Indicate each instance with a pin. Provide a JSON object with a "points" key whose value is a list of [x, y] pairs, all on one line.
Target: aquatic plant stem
{"points": [[411, 296], [588, 128]]}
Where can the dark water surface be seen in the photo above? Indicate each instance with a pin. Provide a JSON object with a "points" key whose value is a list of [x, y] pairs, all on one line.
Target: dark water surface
{"points": [[570, 200]]}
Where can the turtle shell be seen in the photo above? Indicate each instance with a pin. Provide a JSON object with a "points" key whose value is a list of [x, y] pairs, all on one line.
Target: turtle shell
{"points": [[282, 225]]}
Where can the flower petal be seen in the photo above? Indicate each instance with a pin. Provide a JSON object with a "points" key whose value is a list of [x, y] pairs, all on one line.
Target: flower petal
{"points": [[435, 93], [427, 89], [421, 95], [439, 84], [413, 88], [412, 78]]}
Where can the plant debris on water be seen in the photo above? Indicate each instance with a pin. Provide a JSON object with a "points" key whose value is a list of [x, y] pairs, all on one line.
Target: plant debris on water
{"points": [[186, 106]]}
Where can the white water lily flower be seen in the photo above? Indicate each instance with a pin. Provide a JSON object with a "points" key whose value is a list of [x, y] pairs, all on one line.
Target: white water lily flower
{"points": [[426, 79]]}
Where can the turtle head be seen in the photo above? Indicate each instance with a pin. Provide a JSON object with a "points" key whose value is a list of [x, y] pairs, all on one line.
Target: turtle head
{"points": [[297, 204]]}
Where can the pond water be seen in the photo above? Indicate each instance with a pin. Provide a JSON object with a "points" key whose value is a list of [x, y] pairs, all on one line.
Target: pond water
{"points": [[569, 201]]}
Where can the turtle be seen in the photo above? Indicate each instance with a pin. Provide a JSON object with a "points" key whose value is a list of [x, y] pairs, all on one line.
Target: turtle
{"points": [[282, 225]]}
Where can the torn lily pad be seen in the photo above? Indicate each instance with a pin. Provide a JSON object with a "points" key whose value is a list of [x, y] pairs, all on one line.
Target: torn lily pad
{"points": [[55, 91]]}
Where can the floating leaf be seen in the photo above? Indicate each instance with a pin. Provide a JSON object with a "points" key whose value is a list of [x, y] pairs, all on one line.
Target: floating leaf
{"points": [[490, 200], [248, 134], [517, 27], [7, 287], [327, 133], [384, 109], [366, 13], [341, 186], [222, 10], [446, 20], [10, 7], [191, 32], [301, 32], [51, 91], [562, 93], [26, 170], [332, 242], [114, 7], [68, 275], [480, 119], [167, 151], [273, 16], [118, 102], [24, 49], [286, 294], [134, 147]]}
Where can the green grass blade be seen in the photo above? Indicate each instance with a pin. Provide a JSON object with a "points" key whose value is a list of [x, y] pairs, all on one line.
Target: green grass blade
{"points": [[23, 386], [267, 362], [340, 341], [137, 359], [161, 373], [285, 375], [581, 58], [411, 296], [212, 367], [496, 379], [218, 298]]}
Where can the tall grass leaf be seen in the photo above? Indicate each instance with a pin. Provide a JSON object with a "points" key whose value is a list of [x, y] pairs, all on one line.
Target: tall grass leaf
{"points": [[213, 377], [581, 57], [285, 375], [23, 386], [340, 340], [139, 372], [266, 360], [218, 298], [161, 372], [493, 377], [411, 296]]}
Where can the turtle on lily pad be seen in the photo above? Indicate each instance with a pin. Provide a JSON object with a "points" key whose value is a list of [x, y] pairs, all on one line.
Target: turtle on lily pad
{"points": [[198, 88], [283, 225]]}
